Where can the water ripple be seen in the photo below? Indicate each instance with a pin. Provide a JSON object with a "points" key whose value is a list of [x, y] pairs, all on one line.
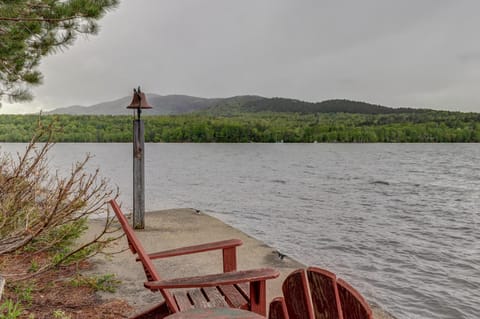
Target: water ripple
{"points": [[398, 221]]}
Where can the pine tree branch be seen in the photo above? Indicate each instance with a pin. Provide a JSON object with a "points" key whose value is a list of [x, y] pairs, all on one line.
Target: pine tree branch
{"points": [[49, 20], [32, 29]]}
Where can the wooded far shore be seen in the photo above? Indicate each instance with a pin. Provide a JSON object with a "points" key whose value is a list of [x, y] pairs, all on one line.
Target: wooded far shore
{"points": [[258, 127]]}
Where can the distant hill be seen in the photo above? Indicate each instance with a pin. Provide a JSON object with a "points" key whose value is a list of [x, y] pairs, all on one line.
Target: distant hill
{"points": [[328, 106], [162, 105], [181, 104], [116, 107]]}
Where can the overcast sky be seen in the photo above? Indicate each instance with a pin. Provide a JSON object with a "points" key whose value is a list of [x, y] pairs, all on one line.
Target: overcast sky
{"points": [[415, 53]]}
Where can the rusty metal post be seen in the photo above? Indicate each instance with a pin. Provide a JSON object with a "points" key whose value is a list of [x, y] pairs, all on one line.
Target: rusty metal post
{"points": [[138, 103]]}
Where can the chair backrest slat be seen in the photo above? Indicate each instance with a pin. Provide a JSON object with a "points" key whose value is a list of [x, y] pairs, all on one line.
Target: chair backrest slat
{"points": [[136, 247], [353, 304], [323, 287], [297, 296], [278, 309]]}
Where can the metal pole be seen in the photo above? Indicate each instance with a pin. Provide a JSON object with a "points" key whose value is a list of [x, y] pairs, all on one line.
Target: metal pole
{"points": [[138, 174]]}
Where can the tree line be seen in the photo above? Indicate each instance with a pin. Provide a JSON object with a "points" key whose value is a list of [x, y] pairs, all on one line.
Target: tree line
{"points": [[430, 126]]}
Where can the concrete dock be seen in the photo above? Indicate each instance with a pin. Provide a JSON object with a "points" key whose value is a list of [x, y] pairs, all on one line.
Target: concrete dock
{"points": [[175, 228]]}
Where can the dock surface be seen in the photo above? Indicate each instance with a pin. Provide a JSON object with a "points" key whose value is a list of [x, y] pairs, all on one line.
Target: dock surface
{"points": [[169, 229]]}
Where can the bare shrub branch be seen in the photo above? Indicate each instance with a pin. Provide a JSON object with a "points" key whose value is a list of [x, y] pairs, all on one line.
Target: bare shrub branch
{"points": [[44, 211]]}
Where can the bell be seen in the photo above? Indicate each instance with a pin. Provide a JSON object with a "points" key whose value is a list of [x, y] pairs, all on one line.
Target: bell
{"points": [[139, 100]]}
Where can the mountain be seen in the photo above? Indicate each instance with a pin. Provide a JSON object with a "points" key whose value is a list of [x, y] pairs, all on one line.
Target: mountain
{"points": [[162, 105], [328, 106], [116, 107], [181, 104]]}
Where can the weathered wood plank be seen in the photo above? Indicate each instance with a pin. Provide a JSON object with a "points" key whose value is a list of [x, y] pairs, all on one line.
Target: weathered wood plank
{"points": [[277, 309], [198, 299], [215, 298], [228, 278], [323, 287], [244, 289], [353, 304], [258, 297], [216, 313], [138, 175], [297, 296], [233, 296], [183, 302], [229, 259], [231, 243]]}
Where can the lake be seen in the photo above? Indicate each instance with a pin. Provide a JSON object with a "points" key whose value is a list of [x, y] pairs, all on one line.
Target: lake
{"points": [[398, 221]]}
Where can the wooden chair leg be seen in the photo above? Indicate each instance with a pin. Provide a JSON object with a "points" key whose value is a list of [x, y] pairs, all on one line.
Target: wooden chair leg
{"points": [[258, 297]]}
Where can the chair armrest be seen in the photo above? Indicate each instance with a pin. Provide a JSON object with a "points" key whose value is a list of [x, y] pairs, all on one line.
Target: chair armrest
{"points": [[224, 244], [228, 278]]}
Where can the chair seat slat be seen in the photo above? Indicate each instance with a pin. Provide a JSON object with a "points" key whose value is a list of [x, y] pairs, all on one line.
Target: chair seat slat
{"points": [[198, 299], [215, 298], [244, 289], [234, 297], [183, 302]]}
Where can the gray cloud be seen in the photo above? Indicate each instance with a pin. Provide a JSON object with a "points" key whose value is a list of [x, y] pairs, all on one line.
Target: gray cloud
{"points": [[397, 53]]}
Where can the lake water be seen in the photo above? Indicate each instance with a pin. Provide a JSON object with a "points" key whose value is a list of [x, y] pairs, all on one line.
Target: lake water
{"points": [[398, 221]]}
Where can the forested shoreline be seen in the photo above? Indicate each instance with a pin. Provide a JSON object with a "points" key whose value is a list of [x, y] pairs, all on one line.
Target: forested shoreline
{"points": [[265, 127]]}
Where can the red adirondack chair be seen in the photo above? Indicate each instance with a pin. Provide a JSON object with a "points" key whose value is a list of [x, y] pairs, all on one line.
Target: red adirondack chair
{"points": [[318, 294], [237, 289]]}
